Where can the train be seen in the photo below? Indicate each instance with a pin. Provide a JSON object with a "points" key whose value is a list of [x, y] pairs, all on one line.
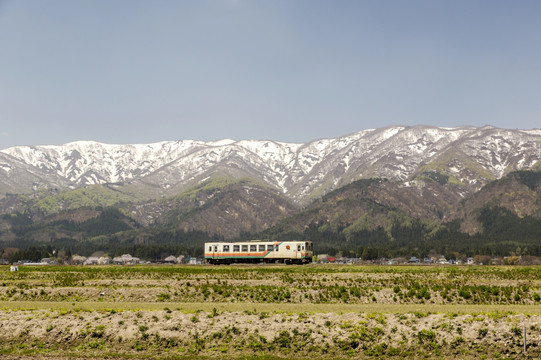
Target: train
{"points": [[259, 251]]}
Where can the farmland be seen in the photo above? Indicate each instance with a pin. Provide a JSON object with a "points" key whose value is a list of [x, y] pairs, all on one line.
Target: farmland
{"points": [[316, 311]]}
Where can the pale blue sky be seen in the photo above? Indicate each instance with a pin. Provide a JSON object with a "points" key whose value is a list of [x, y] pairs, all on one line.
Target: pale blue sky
{"points": [[125, 71]]}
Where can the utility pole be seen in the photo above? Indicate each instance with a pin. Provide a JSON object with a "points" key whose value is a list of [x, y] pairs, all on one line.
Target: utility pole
{"points": [[525, 339]]}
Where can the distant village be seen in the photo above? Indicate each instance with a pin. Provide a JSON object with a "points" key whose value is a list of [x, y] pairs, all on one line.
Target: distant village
{"points": [[125, 259], [435, 260], [128, 259]]}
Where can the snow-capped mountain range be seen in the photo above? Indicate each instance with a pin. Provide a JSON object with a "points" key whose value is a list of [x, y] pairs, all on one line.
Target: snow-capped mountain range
{"points": [[469, 156]]}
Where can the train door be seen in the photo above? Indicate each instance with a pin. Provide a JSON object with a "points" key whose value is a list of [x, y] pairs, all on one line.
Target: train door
{"points": [[213, 249]]}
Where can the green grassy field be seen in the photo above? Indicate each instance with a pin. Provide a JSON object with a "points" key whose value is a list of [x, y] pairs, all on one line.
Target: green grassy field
{"points": [[276, 285]]}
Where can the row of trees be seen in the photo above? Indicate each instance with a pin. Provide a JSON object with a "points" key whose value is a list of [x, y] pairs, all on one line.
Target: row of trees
{"points": [[149, 244], [505, 234]]}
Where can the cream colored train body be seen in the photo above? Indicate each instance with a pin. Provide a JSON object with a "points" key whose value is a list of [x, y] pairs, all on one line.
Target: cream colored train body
{"points": [[256, 251]]}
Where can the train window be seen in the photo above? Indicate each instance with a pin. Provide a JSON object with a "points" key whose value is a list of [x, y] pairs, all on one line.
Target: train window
{"points": [[236, 248], [253, 247], [270, 247], [261, 247], [299, 248], [244, 248], [303, 247], [226, 248], [215, 248], [277, 248], [210, 248]]}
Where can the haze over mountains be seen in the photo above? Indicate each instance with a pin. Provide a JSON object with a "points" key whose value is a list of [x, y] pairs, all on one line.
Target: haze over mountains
{"points": [[229, 188]]}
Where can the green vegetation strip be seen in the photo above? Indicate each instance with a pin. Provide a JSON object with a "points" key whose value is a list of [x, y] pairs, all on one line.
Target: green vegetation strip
{"points": [[264, 307]]}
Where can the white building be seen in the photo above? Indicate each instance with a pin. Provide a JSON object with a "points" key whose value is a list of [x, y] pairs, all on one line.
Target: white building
{"points": [[442, 261]]}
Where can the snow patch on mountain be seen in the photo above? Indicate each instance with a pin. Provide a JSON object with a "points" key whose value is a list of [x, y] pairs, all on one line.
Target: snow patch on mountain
{"points": [[5, 167], [298, 169]]}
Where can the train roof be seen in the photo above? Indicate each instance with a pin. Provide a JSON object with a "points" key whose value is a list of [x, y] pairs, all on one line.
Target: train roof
{"points": [[254, 241]]}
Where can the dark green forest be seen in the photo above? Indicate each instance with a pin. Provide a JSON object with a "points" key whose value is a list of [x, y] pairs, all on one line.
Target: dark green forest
{"points": [[504, 234]]}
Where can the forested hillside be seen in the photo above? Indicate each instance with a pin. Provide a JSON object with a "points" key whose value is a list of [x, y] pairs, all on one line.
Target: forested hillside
{"points": [[368, 218]]}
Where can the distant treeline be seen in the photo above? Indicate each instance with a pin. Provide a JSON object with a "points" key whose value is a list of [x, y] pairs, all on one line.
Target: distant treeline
{"points": [[504, 234], [151, 244]]}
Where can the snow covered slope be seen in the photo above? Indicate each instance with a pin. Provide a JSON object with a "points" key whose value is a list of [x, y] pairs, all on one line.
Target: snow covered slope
{"points": [[470, 156]]}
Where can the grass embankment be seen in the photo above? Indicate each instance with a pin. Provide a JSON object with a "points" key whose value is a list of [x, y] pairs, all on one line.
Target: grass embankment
{"points": [[265, 307]]}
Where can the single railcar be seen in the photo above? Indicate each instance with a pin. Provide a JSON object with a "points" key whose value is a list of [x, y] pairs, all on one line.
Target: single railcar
{"points": [[256, 251]]}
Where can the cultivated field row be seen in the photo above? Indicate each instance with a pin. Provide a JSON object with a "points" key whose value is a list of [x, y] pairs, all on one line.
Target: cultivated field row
{"points": [[270, 311]]}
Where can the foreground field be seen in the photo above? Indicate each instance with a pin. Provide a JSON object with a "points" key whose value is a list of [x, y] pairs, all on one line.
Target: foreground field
{"points": [[270, 312]]}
